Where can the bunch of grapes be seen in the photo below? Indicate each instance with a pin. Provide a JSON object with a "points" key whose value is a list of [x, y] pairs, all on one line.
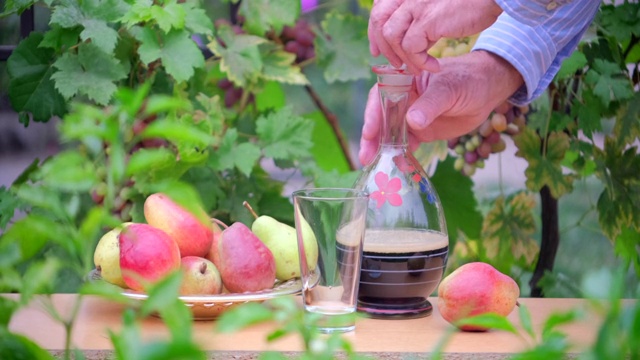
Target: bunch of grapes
{"points": [[298, 40], [473, 148], [446, 47]]}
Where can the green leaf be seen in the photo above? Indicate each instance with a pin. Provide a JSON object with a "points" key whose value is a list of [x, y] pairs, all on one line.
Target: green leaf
{"points": [[589, 112], [489, 321], [9, 203], [271, 97], [40, 278], [609, 82], [100, 34], [264, 15], [576, 61], [197, 20], [243, 316], [278, 65], [16, 6], [240, 57], [170, 16], [14, 346], [61, 39], [31, 87], [177, 132], [507, 232], [163, 293], [326, 149], [147, 160], [544, 169], [68, 171], [284, 135], [619, 203], [342, 50], [458, 201], [225, 157], [557, 319], [7, 307], [31, 233], [525, 320], [626, 245], [91, 72], [177, 51], [627, 127]]}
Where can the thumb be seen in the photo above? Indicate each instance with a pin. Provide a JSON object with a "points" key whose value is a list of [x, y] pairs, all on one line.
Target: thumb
{"points": [[432, 103]]}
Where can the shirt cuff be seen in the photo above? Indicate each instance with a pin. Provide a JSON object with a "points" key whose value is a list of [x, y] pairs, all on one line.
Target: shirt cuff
{"points": [[530, 50]]}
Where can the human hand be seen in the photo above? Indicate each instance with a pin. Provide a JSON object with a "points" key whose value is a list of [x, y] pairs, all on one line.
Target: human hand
{"points": [[449, 103], [403, 30]]}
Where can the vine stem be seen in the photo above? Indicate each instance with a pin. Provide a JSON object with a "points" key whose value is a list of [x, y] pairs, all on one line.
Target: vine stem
{"points": [[333, 122]]}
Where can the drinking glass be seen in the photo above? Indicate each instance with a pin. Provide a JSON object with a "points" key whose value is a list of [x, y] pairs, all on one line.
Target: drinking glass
{"points": [[333, 219]]}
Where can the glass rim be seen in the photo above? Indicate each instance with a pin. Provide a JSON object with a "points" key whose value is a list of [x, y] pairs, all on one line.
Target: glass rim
{"points": [[316, 193]]}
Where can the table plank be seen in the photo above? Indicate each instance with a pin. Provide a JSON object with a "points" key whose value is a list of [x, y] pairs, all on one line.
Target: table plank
{"points": [[383, 338]]}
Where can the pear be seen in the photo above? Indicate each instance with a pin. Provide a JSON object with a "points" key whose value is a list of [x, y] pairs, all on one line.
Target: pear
{"points": [[246, 264], [282, 240], [199, 277], [147, 255], [473, 289], [212, 254], [106, 256], [192, 232]]}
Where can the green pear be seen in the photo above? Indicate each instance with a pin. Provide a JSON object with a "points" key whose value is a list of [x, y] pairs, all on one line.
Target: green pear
{"points": [[106, 257]]}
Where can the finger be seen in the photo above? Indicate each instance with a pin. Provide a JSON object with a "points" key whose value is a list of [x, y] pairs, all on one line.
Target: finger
{"points": [[370, 139], [415, 45], [394, 31], [431, 104], [373, 47], [380, 14]]}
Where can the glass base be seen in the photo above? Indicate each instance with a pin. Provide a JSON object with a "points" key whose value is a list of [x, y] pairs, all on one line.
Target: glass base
{"points": [[407, 308], [337, 329]]}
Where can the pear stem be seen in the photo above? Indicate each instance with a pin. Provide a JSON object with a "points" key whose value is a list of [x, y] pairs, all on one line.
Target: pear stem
{"points": [[246, 204], [219, 223]]}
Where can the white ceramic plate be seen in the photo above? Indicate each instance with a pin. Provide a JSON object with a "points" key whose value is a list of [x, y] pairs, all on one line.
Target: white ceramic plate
{"points": [[209, 307]]}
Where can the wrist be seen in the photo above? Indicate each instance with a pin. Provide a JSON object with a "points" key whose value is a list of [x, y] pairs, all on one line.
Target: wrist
{"points": [[500, 71]]}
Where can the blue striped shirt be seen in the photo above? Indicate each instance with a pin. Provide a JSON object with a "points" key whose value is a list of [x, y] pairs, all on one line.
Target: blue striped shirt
{"points": [[535, 36]]}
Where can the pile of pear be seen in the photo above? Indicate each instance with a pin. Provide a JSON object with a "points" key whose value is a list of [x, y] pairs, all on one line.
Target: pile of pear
{"points": [[214, 258]]}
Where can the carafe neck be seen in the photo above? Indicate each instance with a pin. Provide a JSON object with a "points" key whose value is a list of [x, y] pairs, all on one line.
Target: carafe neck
{"points": [[394, 88]]}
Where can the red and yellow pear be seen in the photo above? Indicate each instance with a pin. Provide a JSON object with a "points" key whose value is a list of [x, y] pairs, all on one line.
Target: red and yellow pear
{"points": [[473, 289], [192, 232], [147, 255]]}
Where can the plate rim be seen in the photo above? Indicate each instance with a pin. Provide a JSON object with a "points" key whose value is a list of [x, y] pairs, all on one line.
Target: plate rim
{"points": [[280, 288]]}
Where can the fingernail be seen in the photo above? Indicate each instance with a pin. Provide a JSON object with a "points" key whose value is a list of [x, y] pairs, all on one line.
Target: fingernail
{"points": [[417, 119]]}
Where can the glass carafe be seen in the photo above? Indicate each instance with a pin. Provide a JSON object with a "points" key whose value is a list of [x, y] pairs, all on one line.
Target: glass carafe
{"points": [[406, 244]]}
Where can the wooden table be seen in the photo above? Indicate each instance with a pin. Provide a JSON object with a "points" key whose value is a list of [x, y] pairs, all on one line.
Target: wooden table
{"points": [[383, 339]]}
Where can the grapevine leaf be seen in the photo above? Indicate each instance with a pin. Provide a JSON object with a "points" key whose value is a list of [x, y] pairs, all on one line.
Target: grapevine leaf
{"points": [[608, 81], [544, 168], [139, 12], [178, 52], [627, 127], [507, 231], [571, 65], [458, 201], [59, 38], [91, 72], [589, 113], [16, 6], [67, 15], [278, 66], [197, 20], [271, 96], [170, 16], [9, 203], [621, 20], [264, 15], [342, 49], [284, 135], [240, 57], [100, 34], [626, 247], [619, 202], [226, 156], [31, 87]]}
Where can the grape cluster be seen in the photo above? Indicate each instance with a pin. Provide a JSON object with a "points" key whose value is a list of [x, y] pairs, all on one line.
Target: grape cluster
{"points": [[298, 40], [446, 47], [475, 147]]}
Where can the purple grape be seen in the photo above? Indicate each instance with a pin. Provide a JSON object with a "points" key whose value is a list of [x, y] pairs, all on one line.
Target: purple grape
{"points": [[470, 157]]}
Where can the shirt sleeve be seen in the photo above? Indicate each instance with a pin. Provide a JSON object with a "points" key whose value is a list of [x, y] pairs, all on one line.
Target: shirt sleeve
{"points": [[535, 38]]}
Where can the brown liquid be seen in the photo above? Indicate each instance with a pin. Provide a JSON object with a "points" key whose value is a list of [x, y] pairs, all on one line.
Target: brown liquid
{"points": [[400, 269]]}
